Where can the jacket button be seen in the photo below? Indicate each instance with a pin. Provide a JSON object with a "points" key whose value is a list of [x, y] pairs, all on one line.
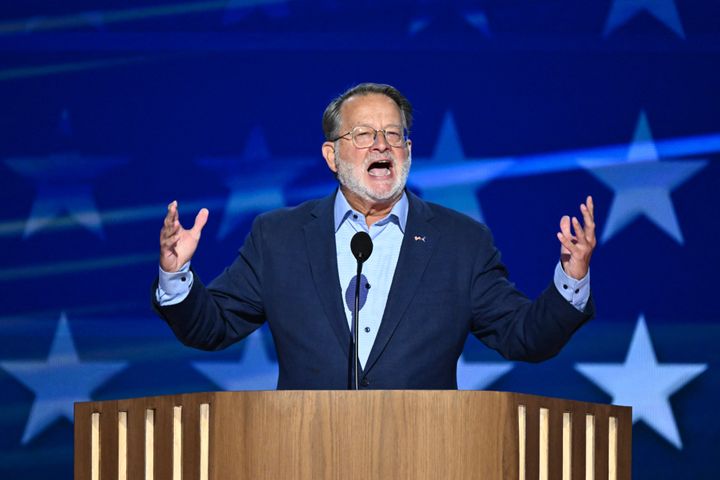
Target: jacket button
{"points": [[364, 382]]}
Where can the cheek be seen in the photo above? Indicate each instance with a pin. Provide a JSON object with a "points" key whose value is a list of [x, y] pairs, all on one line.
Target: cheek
{"points": [[354, 160]]}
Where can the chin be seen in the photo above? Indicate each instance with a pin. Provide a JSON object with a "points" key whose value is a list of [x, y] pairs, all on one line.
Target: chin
{"points": [[384, 194]]}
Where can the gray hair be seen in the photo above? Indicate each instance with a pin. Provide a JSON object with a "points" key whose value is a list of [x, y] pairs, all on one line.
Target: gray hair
{"points": [[331, 117]]}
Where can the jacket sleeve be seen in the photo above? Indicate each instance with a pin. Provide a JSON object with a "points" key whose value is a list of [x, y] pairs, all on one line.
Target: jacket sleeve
{"points": [[227, 310], [507, 321]]}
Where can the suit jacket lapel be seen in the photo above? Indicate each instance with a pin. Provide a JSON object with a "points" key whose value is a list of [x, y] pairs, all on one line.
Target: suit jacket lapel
{"points": [[418, 244], [322, 257]]}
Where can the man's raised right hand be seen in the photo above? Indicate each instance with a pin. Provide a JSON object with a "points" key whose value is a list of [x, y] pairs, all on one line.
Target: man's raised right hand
{"points": [[177, 245]]}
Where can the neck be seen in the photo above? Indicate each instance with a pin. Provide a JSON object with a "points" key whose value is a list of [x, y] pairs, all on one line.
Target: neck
{"points": [[373, 210]]}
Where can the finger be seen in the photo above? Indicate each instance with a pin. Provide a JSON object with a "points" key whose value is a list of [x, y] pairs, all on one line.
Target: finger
{"points": [[588, 219], [566, 242], [579, 232], [200, 221], [168, 217], [169, 243], [565, 226], [168, 232], [590, 206], [171, 215], [589, 222], [171, 226], [175, 212]]}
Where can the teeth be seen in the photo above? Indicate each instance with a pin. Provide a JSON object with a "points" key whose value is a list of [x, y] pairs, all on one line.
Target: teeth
{"points": [[379, 172]]}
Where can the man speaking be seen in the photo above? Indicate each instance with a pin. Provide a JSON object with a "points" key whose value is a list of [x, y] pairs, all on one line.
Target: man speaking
{"points": [[433, 277]]}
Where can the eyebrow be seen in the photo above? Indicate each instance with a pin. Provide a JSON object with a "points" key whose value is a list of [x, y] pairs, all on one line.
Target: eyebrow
{"points": [[370, 126]]}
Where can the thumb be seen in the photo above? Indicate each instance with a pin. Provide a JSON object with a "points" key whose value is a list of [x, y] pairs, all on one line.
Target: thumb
{"points": [[200, 221]]}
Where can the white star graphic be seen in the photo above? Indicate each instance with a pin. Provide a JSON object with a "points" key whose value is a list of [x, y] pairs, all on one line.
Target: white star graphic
{"points": [[623, 11], [253, 186], [443, 178], [644, 384], [479, 375], [59, 381], [255, 371], [642, 184]]}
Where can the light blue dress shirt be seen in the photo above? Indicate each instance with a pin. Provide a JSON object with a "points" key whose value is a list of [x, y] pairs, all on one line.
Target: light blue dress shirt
{"points": [[377, 275], [378, 270]]}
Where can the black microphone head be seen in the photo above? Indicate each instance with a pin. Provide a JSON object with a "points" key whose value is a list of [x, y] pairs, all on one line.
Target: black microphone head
{"points": [[361, 246]]}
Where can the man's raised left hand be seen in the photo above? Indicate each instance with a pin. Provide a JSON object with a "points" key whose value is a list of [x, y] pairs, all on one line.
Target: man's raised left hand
{"points": [[576, 250]]}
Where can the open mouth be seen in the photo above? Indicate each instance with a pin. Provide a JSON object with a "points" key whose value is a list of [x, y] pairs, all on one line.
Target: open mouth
{"points": [[381, 168]]}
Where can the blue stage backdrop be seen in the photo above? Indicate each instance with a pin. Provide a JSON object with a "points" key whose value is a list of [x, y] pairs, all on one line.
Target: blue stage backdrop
{"points": [[111, 111]]}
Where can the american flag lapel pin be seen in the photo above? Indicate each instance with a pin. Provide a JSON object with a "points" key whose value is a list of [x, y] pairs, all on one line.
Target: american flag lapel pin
{"points": [[419, 238]]}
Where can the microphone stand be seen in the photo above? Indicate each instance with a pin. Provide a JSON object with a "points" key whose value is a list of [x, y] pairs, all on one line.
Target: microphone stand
{"points": [[356, 326], [361, 247]]}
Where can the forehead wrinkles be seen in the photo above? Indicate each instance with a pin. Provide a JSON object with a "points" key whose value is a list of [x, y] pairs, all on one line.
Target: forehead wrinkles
{"points": [[372, 110]]}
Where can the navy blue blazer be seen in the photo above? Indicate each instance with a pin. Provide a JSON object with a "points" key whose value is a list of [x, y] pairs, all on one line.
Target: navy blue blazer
{"points": [[444, 288]]}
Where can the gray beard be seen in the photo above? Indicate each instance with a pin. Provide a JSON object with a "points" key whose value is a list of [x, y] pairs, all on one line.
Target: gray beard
{"points": [[348, 179]]}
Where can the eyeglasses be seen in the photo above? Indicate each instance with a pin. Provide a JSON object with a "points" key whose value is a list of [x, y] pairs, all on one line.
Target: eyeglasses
{"points": [[364, 137]]}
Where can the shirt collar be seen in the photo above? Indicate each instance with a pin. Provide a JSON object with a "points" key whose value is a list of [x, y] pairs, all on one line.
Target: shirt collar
{"points": [[342, 210]]}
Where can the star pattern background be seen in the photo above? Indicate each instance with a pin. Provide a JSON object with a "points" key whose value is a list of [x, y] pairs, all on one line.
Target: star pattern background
{"points": [[110, 112]]}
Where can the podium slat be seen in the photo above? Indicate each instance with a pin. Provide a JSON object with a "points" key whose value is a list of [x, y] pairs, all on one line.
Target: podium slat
{"points": [[108, 439]]}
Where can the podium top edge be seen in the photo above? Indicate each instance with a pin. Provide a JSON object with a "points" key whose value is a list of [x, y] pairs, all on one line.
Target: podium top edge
{"points": [[208, 396]]}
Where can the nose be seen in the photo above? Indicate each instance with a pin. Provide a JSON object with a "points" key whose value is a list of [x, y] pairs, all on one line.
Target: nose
{"points": [[380, 143]]}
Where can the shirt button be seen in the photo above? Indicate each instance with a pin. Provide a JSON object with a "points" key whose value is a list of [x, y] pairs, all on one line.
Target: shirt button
{"points": [[565, 287], [182, 279], [365, 382], [354, 216], [577, 290], [367, 329], [367, 285]]}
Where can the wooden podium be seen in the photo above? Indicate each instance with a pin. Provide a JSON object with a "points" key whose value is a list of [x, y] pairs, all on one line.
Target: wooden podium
{"points": [[343, 435]]}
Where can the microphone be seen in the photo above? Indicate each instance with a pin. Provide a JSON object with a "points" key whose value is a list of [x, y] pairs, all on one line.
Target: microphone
{"points": [[361, 246]]}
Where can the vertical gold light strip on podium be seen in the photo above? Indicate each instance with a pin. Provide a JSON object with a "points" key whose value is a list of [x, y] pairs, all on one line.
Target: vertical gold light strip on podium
{"points": [[589, 447], [95, 446], [177, 444], [149, 444], [612, 447], [204, 441], [544, 443], [122, 445], [567, 446], [522, 434]]}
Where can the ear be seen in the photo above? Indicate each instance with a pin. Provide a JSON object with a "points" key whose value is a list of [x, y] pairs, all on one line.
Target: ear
{"points": [[328, 152], [409, 146]]}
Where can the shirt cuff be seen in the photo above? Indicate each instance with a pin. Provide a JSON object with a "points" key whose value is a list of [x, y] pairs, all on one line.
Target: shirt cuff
{"points": [[577, 292], [173, 287]]}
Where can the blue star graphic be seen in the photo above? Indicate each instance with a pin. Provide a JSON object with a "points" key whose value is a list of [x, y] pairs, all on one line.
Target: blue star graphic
{"points": [[478, 19], [444, 178], [255, 186], [623, 11], [63, 183], [480, 375], [255, 371], [474, 17], [642, 184], [644, 384], [58, 381]]}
